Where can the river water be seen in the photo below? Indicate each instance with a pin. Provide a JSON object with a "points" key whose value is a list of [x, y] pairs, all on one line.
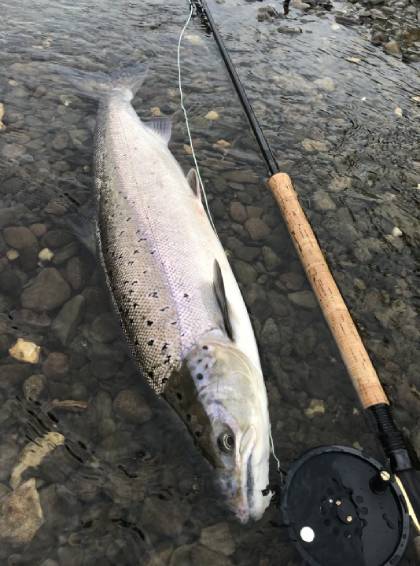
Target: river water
{"points": [[117, 480]]}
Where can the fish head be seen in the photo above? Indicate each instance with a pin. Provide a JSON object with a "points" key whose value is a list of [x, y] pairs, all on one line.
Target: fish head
{"points": [[221, 397]]}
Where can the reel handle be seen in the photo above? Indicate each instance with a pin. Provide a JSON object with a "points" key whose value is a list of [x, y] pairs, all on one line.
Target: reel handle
{"points": [[354, 354]]}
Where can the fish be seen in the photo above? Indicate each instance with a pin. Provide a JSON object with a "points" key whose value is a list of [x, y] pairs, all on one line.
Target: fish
{"points": [[170, 280]]}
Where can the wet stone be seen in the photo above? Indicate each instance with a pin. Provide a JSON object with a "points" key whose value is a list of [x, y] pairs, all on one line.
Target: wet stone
{"points": [[292, 281], [56, 365], [9, 451], [57, 238], [245, 272], [46, 292], [165, 516], [19, 237], [105, 328], [104, 369], [12, 374], [34, 386], [38, 230], [21, 514], [257, 228], [218, 538], [63, 254], [238, 212], [392, 48], [68, 319], [75, 273], [270, 335], [271, 259], [304, 299], [131, 406], [322, 201]]}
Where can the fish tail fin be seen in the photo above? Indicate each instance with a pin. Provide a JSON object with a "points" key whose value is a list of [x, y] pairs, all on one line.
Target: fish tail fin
{"points": [[98, 85]]}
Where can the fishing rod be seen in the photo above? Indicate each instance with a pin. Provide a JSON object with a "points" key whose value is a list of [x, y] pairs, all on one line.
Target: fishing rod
{"points": [[348, 471]]}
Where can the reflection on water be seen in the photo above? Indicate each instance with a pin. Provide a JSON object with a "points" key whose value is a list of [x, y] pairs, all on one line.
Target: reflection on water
{"points": [[119, 482]]}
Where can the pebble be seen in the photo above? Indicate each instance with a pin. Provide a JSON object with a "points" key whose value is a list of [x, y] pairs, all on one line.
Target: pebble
{"points": [[398, 112], [38, 229], [12, 255], [156, 111], [257, 229], [57, 238], [21, 514], [63, 254], [130, 405], [245, 272], [323, 201], [25, 351], [223, 144], [105, 328], [45, 255], [270, 335], [166, 516], [392, 48], [60, 141], [68, 319], [19, 237], [315, 145], [338, 184], [34, 386], [355, 60], [270, 258], [12, 151], [237, 212], [219, 538], [47, 291], [187, 149], [304, 299], [316, 408], [76, 273], [396, 232], [325, 84], [212, 115], [56, 365]]}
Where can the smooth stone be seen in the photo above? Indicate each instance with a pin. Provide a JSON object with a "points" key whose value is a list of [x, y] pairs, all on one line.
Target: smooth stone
{"points": [[56, 365], [270, 258], [57, 238], [238, 212], [323, 201], [212, 116], [21, 514], [377, 38], [325, 84], [31, 318], [392, 48], [257, 228], [29, 258], [315, 145], [10, 282], [105, 328], [75, 273], [340, 183], [60, 141], [292, 281], [270, 335], [19, 237], [305, 299], [219, 538], [47, 291], [12, 151], [245, 272], [130, 405], [9, 216], [68, 319], [63, 254], [38, 229], [34, 386], [45, 255]]}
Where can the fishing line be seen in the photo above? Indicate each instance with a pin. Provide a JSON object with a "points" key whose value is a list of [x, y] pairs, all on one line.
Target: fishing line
{"points": [[181, 93]]}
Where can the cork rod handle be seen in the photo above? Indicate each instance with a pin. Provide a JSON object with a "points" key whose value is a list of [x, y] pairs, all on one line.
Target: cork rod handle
{"points": [[336, 313]]}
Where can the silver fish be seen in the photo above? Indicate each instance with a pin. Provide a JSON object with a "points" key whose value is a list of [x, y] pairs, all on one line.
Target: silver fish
{"points": [[180, 305]]}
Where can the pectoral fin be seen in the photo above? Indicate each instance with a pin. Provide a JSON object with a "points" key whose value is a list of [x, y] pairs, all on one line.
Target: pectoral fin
{"points": [[219, 289], [162, 127], [194, 182]]}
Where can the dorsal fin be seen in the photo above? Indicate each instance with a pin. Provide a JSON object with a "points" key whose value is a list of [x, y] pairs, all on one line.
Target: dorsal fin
{"points": [[161, 126], [219, 290], [194, 182]]}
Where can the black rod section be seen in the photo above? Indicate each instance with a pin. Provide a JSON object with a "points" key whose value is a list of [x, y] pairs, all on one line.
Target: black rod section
{"points": [[203, 11]]}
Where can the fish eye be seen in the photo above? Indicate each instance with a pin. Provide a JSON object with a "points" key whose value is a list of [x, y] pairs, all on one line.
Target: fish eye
{"points": [[226, 442]]}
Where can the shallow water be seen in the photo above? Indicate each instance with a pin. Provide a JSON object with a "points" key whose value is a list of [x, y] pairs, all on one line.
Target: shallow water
{"points": [[127, 486]]}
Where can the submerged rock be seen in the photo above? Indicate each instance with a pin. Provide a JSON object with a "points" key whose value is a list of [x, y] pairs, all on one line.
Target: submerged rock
{"points": [[257, 228], [21, 514], [46, 292], [68, 319], [19, 237], [56, 365], [130, 405], [25, 351], [219, 538]]}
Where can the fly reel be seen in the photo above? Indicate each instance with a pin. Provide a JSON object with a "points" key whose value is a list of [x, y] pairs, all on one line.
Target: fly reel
{"points": [[344, 508]]}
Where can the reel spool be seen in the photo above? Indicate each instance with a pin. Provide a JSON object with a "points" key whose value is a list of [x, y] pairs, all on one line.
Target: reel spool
{"points": [[344, 508]]}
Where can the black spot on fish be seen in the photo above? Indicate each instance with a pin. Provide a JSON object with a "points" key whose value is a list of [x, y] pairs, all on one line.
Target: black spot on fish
{"points": [[150, 342], [186, 295], [151, 373], [165, 346], [197, 433], [179, 396], [199, 376], [165, 380], [188, 417], [131, 321], [136, 342], [135, 305], [149, 322], [136, 252], [164, 309], [205, 347]]}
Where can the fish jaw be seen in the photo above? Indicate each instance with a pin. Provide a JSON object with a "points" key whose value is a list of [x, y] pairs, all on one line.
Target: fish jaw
{"points": [[221, 397]]}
